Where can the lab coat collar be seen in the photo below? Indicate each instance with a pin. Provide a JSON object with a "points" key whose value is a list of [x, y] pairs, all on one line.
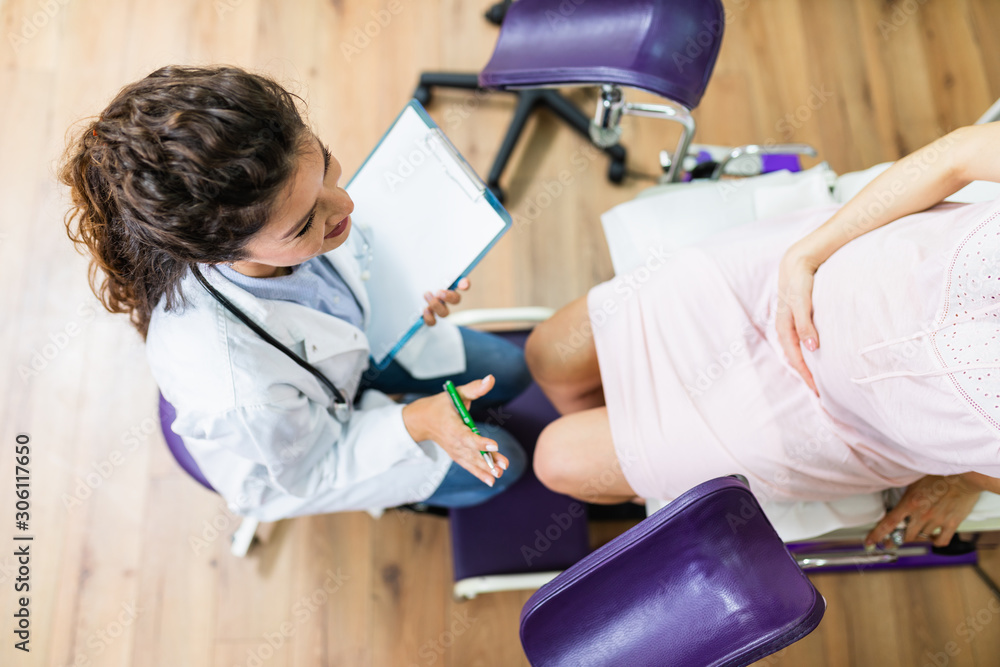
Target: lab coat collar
{"points": [[321, 334], [259, 310]]}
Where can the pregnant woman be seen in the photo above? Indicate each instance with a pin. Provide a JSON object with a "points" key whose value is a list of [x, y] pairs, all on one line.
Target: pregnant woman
{"points": [[201, 189], [824, 354]]}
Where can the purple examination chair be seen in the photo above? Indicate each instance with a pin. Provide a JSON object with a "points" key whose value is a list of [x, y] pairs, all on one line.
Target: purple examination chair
{"points": [[704, 581], [667, 47], [664, 47]]}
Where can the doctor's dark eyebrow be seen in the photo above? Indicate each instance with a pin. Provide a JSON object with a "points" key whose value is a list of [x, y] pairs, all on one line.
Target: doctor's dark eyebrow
{"points": [[302, 223]]}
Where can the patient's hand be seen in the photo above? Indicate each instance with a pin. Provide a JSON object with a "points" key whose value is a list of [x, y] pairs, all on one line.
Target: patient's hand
{"points": [[794, 317], [931, 503], [437, 302]]}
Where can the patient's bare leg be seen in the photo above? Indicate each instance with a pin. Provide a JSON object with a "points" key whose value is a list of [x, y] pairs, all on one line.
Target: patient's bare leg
{"points": [[575, 456], [562, 358]]}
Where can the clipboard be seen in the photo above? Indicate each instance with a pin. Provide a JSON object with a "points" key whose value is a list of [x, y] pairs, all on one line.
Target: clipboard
{"points": [[423, 219]]}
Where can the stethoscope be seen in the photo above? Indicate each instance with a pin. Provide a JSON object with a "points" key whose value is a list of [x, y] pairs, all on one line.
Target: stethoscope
{"points": [[342, 408], [366, 251]]}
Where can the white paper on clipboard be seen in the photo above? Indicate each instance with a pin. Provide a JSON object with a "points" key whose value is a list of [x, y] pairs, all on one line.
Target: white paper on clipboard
{"points": [[428, 218]]}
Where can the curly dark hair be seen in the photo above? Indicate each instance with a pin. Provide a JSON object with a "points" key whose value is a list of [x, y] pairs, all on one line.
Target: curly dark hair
{"points": [[182, 167]]}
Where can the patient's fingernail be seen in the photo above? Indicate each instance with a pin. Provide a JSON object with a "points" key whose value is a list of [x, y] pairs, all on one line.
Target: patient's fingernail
{"points": [[811, 344], [503, 465], [490, 482]]}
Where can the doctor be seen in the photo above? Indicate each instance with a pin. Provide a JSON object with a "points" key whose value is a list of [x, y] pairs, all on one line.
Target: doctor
{"points": [[216, 219]]}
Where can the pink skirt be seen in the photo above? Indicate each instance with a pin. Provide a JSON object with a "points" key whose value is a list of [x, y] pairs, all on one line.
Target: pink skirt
{"points": [[697, 385]]}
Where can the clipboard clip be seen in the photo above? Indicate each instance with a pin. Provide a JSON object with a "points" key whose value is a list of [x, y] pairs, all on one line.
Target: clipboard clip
{"points": [[440, 146]]}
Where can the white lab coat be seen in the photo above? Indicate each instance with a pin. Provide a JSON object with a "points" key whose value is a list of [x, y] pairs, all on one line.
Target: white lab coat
{"points": [[262, 429]]}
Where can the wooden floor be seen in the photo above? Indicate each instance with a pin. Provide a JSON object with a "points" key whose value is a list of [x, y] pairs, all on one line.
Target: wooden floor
{"points": [[130, 564]]}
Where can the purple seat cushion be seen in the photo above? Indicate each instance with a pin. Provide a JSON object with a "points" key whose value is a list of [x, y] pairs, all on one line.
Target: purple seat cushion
{"points": [[668, 47], [704, 581], [527, 528], [176, 444], [769, 163]]}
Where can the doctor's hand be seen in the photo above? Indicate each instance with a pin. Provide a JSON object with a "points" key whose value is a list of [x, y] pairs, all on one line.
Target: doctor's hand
{"points": [[794, 323], [934, 506], [435, 418], [436, 302]]}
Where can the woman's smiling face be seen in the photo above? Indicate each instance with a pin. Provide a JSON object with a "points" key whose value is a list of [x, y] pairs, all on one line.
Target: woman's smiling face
{"points": [[310, 217]]}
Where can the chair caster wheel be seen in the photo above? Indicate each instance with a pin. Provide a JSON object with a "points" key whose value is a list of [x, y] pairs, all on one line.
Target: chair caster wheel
{"points": [[423, 95], [616, 171], [497, 192], [242, 541], [497, 12]]}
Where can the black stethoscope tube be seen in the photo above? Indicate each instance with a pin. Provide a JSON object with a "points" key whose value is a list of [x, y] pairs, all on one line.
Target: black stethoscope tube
{"points": [[340, 402]]}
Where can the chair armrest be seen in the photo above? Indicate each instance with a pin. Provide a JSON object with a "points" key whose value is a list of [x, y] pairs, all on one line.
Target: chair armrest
{"points": [[492, 316]]}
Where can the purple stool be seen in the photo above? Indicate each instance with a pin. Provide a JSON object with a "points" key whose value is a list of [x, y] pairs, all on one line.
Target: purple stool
{"points": [[244, 536], [704, 581], [176, 445], [526, 535], [667, 47]]}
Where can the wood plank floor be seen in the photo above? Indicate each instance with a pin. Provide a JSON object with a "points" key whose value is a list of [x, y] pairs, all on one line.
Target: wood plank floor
{"points": [[130, 563]]}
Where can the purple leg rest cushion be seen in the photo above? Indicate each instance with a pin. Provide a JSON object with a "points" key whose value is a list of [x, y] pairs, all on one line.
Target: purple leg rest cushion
{"points": [[668, 47], [704, 581], [527, 528]]}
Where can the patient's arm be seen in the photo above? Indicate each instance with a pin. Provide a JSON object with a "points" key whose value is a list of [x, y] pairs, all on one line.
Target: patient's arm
{"points": [[982, 482], [914, 183]]}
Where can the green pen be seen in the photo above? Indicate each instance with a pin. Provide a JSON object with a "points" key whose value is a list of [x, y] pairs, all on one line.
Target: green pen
{"points": [[449, 387]]}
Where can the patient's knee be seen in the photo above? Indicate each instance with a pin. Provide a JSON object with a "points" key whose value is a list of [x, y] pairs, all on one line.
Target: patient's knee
{"points": [[551, 460], [539, 353], [533, 351]]}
